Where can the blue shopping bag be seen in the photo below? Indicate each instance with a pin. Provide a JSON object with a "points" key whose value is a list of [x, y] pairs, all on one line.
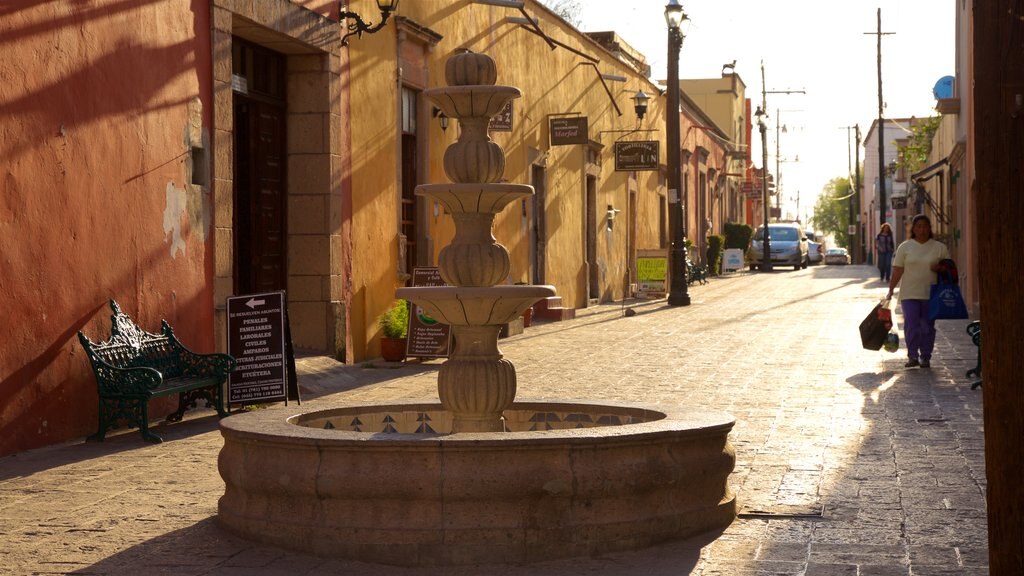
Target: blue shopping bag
{"points": [[945, 301]]}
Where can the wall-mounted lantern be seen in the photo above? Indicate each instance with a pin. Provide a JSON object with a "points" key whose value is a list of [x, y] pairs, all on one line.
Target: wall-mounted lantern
{"points": [[442, 119], [359, 26], [640, 104]]}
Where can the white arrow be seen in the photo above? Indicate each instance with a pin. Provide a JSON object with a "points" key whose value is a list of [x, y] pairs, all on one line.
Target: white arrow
{"points": [[252, 303]]}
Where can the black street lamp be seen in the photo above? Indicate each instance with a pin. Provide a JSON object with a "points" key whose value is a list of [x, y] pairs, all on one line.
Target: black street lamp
{"points": [[358, 25], [762, 125], [677, 295]]}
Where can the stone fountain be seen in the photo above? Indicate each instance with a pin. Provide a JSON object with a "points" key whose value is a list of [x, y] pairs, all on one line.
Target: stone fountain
{"points": [[478, 478]]}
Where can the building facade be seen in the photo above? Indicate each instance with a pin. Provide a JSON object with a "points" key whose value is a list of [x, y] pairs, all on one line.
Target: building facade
{"points": [[171, 155]]}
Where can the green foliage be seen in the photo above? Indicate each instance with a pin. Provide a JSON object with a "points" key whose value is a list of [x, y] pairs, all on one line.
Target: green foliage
{"points": [[716, 245], [832, 210], [394, 322], [914, 155], [738, 235], [568, 10]]}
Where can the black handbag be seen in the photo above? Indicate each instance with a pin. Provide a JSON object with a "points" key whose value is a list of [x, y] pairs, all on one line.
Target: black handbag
{"points": [[875, 326]]}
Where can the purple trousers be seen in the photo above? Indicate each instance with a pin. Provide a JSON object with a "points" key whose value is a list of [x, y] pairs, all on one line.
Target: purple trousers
{"points": [[918, 330]]}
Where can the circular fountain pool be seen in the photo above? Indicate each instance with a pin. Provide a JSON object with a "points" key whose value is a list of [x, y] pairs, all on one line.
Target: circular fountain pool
{"points": [[387, 483]]}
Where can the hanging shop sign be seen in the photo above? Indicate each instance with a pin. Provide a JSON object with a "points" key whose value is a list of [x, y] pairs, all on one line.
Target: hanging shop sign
{"points": [[566, 131], [503, 121], [641, 155]]}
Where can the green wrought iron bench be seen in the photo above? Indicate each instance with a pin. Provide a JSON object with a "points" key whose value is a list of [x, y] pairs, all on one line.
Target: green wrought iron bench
{"points": [[696, 273], [974, 331], [134, 366]]}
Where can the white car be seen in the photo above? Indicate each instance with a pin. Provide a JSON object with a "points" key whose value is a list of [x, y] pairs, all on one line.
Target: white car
{"points": [[837, 256], [815, 252]]}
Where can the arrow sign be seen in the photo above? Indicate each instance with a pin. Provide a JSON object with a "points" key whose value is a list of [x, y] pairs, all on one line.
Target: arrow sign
{"points": [[257, 339]]}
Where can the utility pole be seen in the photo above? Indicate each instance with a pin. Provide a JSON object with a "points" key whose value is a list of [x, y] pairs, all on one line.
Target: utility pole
{"points": [[764, 108], [856, 187], [881, 125], [778, 174]]}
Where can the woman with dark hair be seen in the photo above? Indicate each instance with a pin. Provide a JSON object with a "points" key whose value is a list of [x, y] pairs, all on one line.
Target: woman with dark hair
{"points": [[914, 270], [884, 247]]}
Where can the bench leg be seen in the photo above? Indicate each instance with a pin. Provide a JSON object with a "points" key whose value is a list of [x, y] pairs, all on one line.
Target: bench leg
{"points": [[218, 402], [101, 430], [103, 417], [144, 425], [184, 402]]}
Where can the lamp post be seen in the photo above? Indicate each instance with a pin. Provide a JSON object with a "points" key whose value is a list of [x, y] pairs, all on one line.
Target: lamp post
{"points": [[358, 25], [762, 125], [677, 296]]}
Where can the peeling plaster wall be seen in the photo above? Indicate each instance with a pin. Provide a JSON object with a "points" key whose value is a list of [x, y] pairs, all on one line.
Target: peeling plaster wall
{"points": [[97, 197]]}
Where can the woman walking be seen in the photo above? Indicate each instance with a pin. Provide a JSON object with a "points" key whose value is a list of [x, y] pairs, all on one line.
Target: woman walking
{"points": [[884, 247], [913, 270]]}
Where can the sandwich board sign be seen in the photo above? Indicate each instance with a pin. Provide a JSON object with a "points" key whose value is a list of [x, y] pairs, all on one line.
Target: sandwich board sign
{"points": [[428, 338], [259, 339]]}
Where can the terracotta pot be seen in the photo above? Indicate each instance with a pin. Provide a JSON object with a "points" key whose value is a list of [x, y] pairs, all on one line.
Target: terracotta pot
{"points": [[392, 349], [528, 317]]}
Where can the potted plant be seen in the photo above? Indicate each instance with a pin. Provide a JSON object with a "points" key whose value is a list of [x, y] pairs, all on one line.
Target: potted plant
{"points": [[394, 324]]}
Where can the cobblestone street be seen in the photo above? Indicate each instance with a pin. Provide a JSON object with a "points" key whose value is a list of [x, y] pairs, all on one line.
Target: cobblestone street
{"points": [[847, 463]]}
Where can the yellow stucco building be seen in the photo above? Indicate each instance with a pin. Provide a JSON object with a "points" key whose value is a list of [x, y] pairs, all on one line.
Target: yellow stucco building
{"points": [[583, 228]]}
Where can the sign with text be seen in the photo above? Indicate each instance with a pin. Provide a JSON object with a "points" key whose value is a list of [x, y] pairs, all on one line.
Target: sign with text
{"points": [[257, 335], [503, 121], [642, 155], [651, 273], [427, 338], [565, 131], [732, 260]]}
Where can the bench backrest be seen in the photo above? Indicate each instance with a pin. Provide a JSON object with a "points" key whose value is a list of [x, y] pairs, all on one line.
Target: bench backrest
{"points": [[129, 346]]}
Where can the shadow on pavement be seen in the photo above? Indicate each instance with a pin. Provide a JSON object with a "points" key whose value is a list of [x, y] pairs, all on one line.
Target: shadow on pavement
{"points": [[207, 549], [195, 423]]}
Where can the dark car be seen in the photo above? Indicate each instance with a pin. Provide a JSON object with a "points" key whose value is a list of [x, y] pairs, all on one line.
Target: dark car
{"points": [[837, 256]]}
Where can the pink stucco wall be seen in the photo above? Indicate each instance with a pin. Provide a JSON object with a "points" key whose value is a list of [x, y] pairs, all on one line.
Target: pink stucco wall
{"points": [[101, 104]]}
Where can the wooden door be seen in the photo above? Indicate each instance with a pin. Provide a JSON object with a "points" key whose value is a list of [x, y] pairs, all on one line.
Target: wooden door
{"points": [[260, 194]]}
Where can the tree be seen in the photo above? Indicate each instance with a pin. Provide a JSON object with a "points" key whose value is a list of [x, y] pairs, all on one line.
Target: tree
{"points": [[568, 10], [913, 156], [832, 210]]}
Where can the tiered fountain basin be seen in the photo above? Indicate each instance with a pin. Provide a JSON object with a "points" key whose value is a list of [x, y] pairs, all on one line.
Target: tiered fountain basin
{"points": [[390, 484]]}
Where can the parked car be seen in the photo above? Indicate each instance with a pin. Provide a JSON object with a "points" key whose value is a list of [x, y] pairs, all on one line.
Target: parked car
{"points": [[837, 256], [815, 252], [788, 246]]}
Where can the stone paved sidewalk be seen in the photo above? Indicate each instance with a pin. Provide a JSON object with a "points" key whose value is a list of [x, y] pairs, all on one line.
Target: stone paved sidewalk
{"points": [[847, 463]]}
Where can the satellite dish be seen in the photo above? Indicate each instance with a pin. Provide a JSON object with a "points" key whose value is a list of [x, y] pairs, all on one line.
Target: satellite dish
{"points": [[943, 88]]}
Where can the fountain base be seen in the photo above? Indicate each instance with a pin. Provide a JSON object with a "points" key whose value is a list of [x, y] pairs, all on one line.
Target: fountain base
{"points": [[387, 484]]}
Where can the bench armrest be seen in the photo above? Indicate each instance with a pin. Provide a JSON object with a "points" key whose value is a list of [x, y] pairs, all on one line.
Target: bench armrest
{"points": [[114, 381], [196, 364]]}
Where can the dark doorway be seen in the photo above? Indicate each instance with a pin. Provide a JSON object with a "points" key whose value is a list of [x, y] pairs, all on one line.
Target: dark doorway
{"points": [[538, 236], [260, 229], [594, 276], [409, 181]]}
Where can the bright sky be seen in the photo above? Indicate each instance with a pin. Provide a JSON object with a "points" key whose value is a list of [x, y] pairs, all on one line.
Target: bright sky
{"points": [[818, 46]]}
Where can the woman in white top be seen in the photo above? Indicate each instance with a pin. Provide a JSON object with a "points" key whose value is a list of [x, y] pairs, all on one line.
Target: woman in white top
{"points": [[914, 270]]}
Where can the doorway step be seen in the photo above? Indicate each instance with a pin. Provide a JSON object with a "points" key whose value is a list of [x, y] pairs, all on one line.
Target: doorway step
{"points": [[550, 309]]}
